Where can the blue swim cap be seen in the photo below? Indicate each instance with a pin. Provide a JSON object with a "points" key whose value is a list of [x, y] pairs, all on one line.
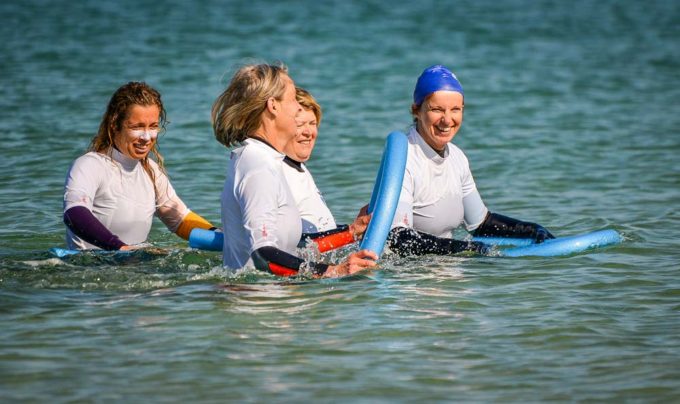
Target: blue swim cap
{"points": [[435, 78]]}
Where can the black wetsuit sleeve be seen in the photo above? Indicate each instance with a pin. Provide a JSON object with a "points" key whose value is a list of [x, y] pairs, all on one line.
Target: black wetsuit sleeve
{"points": [[85, 225], [406, 241], [495, 225], [279, 262]]}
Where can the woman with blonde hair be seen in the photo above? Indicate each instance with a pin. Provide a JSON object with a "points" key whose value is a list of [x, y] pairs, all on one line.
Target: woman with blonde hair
{"points": [[113, 191], [317, 220], [257, 114]]}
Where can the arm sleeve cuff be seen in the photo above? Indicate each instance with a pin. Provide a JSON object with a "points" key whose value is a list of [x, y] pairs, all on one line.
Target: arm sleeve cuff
{"points": [[280, 263], [192, 221]]}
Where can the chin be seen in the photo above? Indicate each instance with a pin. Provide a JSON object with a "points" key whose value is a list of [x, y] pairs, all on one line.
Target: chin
{"points": [[139, 156], [303, 156]]}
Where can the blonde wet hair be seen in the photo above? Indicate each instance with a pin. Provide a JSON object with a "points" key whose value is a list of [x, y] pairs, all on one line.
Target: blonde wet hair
{"points": [[307, 101], [237, 112]]}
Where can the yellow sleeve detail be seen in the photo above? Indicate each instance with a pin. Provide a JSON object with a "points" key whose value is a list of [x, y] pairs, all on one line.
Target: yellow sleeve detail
{"points": [[190, 222]]}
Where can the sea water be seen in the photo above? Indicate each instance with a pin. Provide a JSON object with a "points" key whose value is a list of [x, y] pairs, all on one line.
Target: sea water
{"points": [[571, 121]]}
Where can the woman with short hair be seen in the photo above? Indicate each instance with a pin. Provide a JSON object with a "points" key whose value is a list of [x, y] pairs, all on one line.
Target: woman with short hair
{"points": [[262, 227]]}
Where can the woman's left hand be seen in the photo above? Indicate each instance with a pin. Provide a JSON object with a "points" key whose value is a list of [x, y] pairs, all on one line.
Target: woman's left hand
{"points": [[358, 227], [542, 234]]}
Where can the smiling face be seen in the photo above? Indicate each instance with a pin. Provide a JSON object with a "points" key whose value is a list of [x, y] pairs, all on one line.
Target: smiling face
{"points": [[138, 133], [300, 149], [439, 118]]}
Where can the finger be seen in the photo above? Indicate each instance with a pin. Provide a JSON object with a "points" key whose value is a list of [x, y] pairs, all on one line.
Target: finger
{"points": [[368, 254], [358, 268], [363, 263]]}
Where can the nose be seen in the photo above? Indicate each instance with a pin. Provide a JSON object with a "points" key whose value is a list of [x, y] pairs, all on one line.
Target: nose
{"points": [[306, 130], [449, 118]]}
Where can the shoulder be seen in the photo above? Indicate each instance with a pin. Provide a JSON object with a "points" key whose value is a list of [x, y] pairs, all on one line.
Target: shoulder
{"points": [[160, 177], [251, 158], [457, 159], [156, 168], [90, 168], [456, 152], [92, 160], [292, 174]]}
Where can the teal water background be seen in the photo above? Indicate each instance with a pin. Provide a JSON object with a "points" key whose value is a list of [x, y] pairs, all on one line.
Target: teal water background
{"points": [[571, 121]]}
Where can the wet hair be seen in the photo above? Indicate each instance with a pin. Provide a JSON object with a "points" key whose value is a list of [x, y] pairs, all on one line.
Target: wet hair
{"points": [[118, 111], [237, 112], [305, 99]]}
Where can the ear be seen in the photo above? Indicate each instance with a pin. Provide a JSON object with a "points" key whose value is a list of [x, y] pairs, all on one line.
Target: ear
{"points": [[414, 109], [272, 105]]}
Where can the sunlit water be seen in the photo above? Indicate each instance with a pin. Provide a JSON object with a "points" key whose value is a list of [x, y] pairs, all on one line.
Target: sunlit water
{"points": [[571, 121]]}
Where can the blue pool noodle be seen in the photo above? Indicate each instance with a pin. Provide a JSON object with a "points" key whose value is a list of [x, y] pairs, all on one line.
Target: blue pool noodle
{"points": [[556, 246], [386, 192]]}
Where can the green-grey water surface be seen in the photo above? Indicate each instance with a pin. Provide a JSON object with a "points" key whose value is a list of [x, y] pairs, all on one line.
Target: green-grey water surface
{"points": [[571, 121]]}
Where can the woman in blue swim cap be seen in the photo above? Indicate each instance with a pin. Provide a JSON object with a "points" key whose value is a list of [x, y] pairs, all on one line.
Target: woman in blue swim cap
{"points": [[438, 192]]}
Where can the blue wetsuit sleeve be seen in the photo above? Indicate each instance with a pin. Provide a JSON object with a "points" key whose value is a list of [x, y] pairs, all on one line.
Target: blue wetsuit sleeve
{"points": [[281, 263], [85, 225], [406, 241]]}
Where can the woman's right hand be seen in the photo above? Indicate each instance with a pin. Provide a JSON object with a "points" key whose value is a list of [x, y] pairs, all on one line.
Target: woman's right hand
{"points": [[356, 262]]}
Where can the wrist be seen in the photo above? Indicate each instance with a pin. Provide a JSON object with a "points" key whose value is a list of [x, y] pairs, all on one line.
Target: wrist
{"points": [[352, 232]]}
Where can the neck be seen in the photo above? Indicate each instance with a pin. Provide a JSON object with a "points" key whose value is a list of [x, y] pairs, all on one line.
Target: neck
{"points": [[126, 161], [441, 152], [267, 133]]}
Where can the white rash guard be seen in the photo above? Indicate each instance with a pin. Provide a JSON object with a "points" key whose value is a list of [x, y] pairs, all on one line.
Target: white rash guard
{"points": [[120, 194], [438, 193], [258, 208], [316, 217]]}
